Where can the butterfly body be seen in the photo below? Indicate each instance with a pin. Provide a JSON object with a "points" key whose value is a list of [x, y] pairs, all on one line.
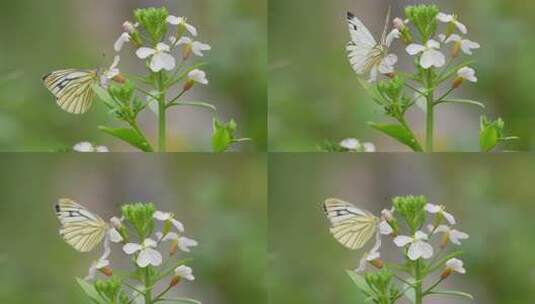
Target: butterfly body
{"points": [[73, 88], [352, 227], [80, 228]]}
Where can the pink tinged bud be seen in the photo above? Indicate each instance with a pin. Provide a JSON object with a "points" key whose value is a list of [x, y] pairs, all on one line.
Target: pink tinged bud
{"points": [[446, 273], [188, 85], [398, 23], [174, 281], [107, 271], [457, 82], [377, 263]]}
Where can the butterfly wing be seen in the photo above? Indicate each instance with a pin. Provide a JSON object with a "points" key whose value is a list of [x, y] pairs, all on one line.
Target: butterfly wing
{"points": [[362, 50], [351, 226], [72, 88], [81, 229]]}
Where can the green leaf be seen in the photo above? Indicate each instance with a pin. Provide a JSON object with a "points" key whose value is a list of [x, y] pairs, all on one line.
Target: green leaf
{"points": [[465, 101], [130, 136], [104, 96], [452, 293], [360, 282], [488, 138], [90, 291], [400, 133], [223, 136]]}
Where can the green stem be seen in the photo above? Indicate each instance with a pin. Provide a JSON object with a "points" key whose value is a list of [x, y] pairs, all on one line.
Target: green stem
{"points": [[430, 114], [418, 294], [161, 114], [148, 286]]}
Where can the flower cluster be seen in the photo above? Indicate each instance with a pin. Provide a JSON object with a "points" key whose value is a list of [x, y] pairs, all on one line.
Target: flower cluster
{"points": [[143, 241], [435, 41], [166, 45], [424, 252], [348, 145]]}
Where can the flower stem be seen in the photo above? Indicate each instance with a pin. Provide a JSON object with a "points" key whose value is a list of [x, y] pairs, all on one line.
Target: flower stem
{"points": [[418, 294], [148, 291], [430, 114], [161, 113]]}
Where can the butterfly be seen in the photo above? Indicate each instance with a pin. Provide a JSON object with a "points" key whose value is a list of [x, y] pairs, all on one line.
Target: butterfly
{"points": [[365, 54], [73, 88], [351, 226], [80, 228]]}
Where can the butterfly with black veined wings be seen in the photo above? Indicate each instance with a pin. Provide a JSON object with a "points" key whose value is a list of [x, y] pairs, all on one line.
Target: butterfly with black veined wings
{"points": [[365, 54], [352, 227], [80, 228], [73, 88]]}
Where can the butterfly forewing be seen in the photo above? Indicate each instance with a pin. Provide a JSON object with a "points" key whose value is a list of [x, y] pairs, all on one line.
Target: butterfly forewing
{"points": [[81, 229], [72, 88], [351, 226], [362, 48]]}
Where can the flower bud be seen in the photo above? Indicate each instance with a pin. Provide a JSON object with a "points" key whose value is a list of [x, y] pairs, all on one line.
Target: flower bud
{"points": [[174, 247], [174, 281], [377, 263], [187, 50], [390, 75], [457, 82], [129, 27], [119, 78], [456, 49], [107, 271], [399, 23], [445, 240], [446, 273], [188, 85]]}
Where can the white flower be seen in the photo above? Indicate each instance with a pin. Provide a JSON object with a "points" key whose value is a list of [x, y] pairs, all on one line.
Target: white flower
{"points": [[418, 248], [101, 263], [182, 21], [400, 23], [353, 145], [467, 73], [466, 45], [115, 236], [372, 255], [456, 265], [452, 19], [160, 57], [198, 76], [147, 254], [111, 73], [431, 56], [167, 216], [196, 47], [185, 272], [126, 36], [440, 210], [452, 235], [182, 242], [130, 27], [394, 34], [89, 147], [385, 66]]}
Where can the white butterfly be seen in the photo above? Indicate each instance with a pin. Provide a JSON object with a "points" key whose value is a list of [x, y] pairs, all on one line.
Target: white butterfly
{"points": [[365, 54], [72, 88], [80, 228], [351, 226]]}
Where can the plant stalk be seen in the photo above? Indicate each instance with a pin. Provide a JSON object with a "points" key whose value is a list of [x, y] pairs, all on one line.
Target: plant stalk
{"points": [[430, 113], [148, 292], [418, 294], [161, 114]]}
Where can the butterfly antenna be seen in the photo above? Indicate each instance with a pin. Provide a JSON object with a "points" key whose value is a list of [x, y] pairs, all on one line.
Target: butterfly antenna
{"points": [[387, 22]]}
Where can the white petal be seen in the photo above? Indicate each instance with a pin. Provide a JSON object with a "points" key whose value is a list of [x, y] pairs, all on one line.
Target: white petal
{"points": [[162, 47], [350, 144], [444, 17], [174, 20], [101, 264], [131, 248], [443, 229], [171, 236], [373, 74], [385, 228], [420, 249], [456, 265], [162, 216], [185, 272], [198, 48], [149, 256], [433, 44], [468, 45], [449, 217], [149, 243], [191, 29], [394, 34], [103, 149], [115, 236], [413, 49], [419, 235], [198, 76], [84, 147], [455, 236], [184, 40], [368, 147], [124, 38], [461, 27], [387, 64], [432, 57], [178, 225], [145, 52], [432, 208], [162, 61], [184, 243], [402, 240], [453, 38]]}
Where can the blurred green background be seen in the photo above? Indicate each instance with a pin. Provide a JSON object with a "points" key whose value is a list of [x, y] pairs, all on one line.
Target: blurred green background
{"points": [[491, 197], [41, 36], [314, 95], [221, 201]]}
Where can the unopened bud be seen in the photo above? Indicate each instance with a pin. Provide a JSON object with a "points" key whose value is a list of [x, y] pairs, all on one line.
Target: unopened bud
{"points": [[119, 79], [456, 49], [174, 281], [115, 221], [107, 271], [457, 82], [174, 248], [377, 263], [188, 85], [390, 75], [129, 27], [398, 23], [444, 241], [187, 50], [446, 273]]}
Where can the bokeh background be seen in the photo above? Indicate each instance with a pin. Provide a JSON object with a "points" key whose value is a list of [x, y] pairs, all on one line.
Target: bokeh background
{"points": [[41, 36], [220, 200], [314, 95], [491, 197]]}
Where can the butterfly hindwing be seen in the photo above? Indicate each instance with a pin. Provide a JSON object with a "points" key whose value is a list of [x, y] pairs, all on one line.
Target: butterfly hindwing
{"points": [[351, 226], [72, 88], [80, 228], [362, 50]]}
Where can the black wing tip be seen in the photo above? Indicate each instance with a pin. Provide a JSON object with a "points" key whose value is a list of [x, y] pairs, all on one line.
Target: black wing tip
{"points": [[57, 208], [350, 15], [45, 76]]}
